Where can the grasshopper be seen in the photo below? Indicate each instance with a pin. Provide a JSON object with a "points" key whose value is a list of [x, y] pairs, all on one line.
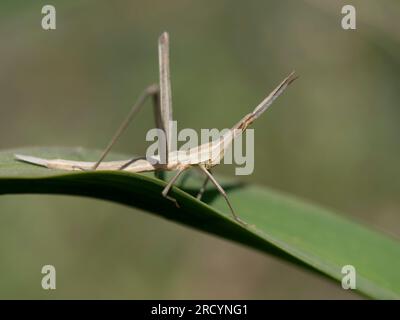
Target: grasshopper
{"points": [[204, 157]]}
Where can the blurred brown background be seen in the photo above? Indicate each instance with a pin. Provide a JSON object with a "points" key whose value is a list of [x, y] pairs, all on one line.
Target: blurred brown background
{"points": [[333, 138]]}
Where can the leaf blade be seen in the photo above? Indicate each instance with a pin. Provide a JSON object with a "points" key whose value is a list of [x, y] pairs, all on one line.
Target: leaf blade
{"points": [[281, 225]]}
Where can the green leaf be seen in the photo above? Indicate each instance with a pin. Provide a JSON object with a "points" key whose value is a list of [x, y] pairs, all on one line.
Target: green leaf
{"points": [[310, 236]]}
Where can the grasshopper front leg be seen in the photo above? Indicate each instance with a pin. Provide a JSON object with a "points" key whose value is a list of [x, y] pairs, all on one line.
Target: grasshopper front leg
{"points": [[203, 187], [223, 193], [169, 186]]}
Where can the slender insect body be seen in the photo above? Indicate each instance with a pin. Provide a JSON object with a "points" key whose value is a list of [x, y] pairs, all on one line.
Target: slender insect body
{"points": [[204, 156]]}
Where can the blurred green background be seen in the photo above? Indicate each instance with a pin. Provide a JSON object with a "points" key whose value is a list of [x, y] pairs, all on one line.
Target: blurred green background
{"points": [[333, 138]]}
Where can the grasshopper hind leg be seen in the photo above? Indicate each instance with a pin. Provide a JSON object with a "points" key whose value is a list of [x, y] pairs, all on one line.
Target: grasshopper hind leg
{"points": [[150, 91]]}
